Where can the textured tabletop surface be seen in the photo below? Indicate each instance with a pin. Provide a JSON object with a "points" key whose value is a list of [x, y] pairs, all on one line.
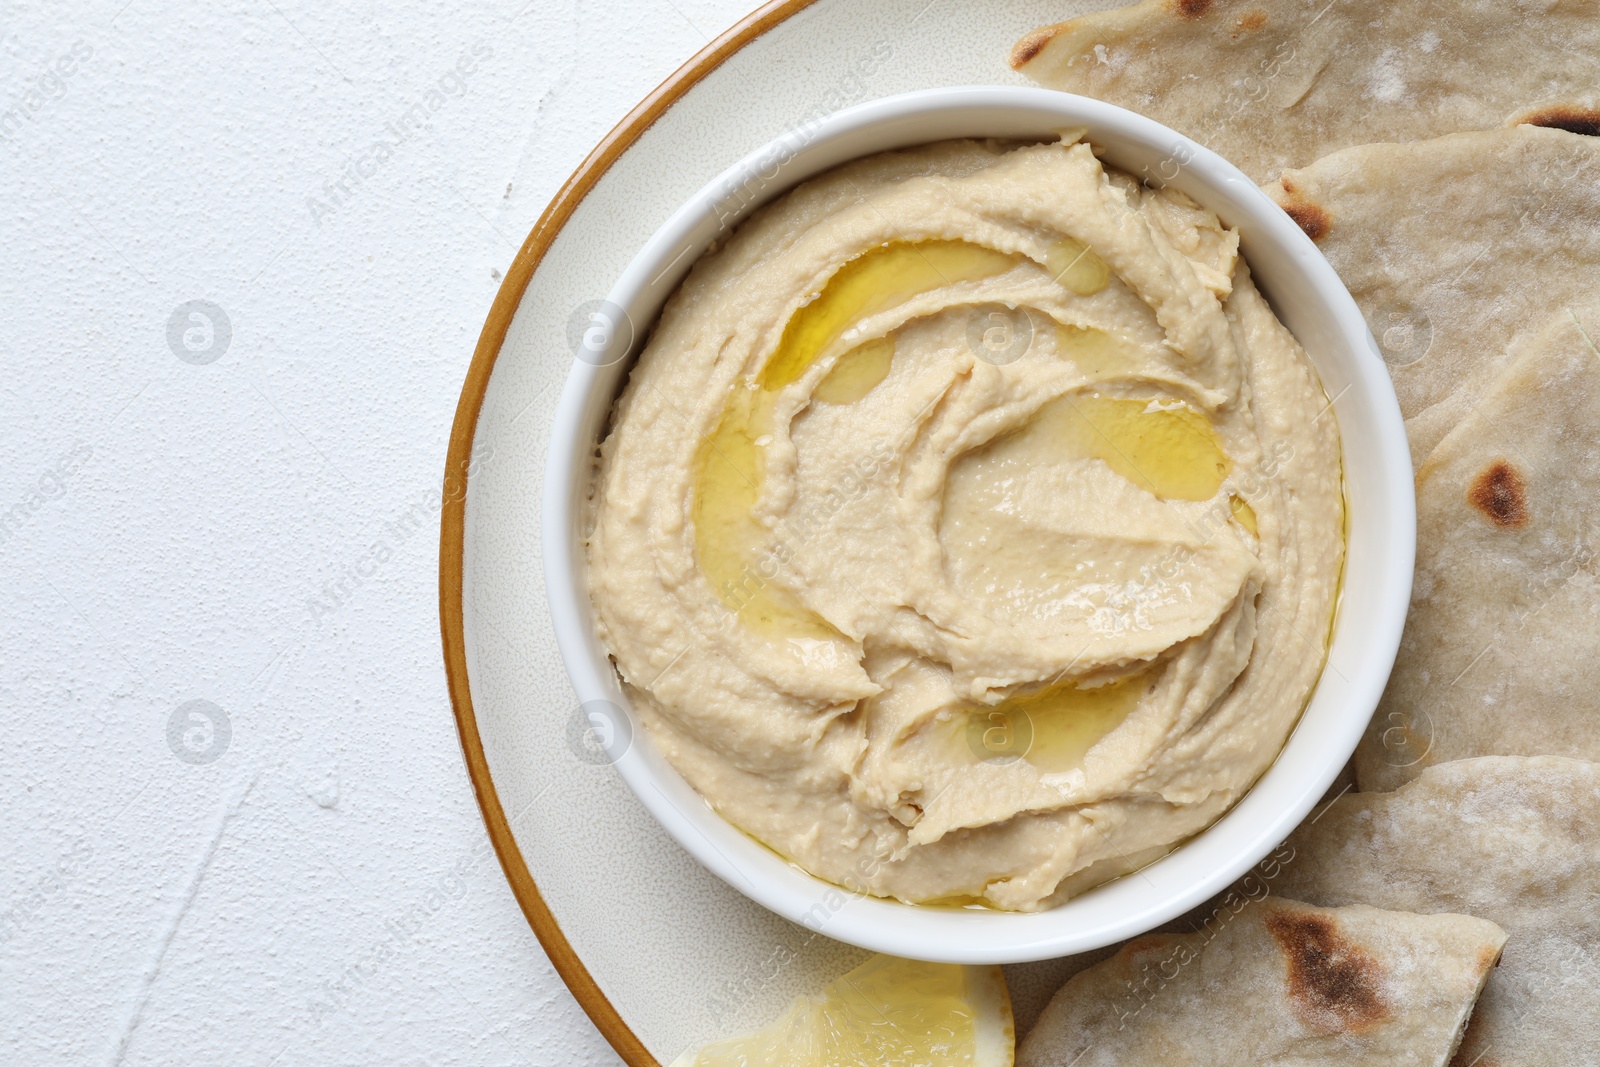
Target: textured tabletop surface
{"points": [[248, 249]]}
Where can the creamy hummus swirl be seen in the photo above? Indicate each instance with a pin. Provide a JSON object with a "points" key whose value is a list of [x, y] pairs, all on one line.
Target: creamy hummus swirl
{"points": [[970, 529]]}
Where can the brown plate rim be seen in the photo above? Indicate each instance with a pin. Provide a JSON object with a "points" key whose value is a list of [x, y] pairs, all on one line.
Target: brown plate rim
{"points": [[452, 522]]}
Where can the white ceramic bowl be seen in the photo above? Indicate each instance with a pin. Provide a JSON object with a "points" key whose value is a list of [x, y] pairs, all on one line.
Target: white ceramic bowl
{"points": [[1309, 299]]}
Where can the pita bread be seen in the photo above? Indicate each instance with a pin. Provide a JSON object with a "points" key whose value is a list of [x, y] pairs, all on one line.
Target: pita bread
{"points": [[1279, 982], [1453, 248], [1501, 651], [1276, 83], [1515, 840]]}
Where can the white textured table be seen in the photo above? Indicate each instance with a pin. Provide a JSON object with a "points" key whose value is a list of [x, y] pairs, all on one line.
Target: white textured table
{"points": [[248, 249]]}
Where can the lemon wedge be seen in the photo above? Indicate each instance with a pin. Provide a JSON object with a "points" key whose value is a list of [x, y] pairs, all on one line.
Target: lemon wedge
{"points": [[888, 1012]]}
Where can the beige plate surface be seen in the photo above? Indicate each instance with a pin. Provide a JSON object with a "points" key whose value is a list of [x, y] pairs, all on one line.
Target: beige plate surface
{"points": [[659, 953]]}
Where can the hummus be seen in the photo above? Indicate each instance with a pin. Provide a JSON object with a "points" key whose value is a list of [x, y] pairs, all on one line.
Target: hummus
{"points": [[970, 529]]}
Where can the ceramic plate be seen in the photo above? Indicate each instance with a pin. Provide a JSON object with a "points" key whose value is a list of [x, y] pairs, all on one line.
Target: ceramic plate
{"points": [[661, 954]]}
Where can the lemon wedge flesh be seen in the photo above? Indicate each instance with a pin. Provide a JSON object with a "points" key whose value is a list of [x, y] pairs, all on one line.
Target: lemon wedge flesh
{"points": [[888, 1012]]}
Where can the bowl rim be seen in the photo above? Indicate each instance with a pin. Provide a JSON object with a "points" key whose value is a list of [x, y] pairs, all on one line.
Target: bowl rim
{"points": [[952, 935]]}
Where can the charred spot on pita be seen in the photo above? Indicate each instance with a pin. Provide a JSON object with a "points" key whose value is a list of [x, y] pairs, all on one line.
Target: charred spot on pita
{"points": [[1193, 9], [1500, 493], [1252, 20], [1335, 985], [1031, 45], [1581, 120], [1489, 959], [1311, 218]]}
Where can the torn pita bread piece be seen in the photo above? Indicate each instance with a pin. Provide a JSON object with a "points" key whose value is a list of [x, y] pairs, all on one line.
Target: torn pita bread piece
{"points": [[1270, 84], [1512, 839], [1278, 982], [1453, 248], [1501, 650]]}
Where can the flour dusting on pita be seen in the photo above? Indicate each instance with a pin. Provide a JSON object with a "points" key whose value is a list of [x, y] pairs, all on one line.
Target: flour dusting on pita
{"points": [[1501, 650], [1271, 84]]}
